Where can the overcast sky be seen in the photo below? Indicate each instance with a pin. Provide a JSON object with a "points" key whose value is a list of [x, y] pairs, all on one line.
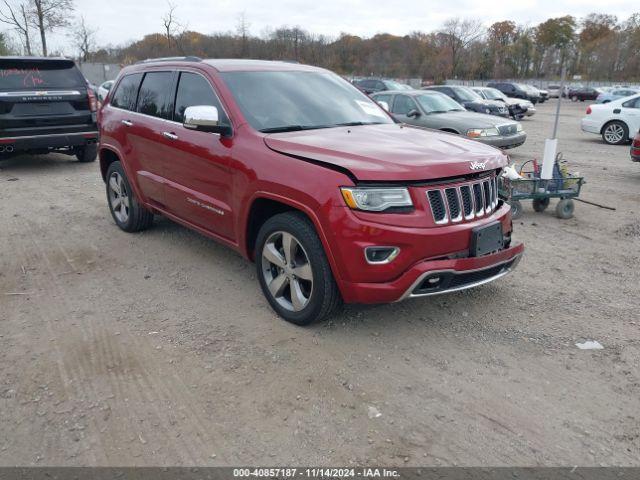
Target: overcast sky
{"points": [[120, 21]]}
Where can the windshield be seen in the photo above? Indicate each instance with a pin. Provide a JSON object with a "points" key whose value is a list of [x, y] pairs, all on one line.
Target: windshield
{"points": [[281, 101], [438, 103], [467, 94], [24, 75], [493, 94], [392, 85]]}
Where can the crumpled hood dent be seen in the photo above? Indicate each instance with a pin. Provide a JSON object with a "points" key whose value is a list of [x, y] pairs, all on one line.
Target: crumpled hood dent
{"points": [[389, 152]]}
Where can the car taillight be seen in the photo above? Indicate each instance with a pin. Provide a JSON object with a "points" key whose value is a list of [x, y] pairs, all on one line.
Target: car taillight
{"points": [[588, 110], [93, 101]]}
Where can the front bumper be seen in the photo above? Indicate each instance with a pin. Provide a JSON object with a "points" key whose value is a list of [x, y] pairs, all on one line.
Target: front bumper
{"points": [[509, 141], [423, 251], [530, 111], [590, 126]]}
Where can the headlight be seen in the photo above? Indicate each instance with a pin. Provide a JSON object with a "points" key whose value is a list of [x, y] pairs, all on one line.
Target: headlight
{"points": [[518, 127], [376, 199], [482, 132]]}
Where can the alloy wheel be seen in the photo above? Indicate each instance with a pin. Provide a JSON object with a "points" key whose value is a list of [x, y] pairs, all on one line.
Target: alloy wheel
{"points": [[614, 133], [287, 271], [119, 197]]}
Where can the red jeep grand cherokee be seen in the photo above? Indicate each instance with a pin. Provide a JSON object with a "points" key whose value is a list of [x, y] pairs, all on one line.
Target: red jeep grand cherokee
{"points": [[296, 169]]}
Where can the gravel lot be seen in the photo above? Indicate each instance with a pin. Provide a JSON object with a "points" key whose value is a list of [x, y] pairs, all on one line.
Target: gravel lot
{"points": [[159, 349]]}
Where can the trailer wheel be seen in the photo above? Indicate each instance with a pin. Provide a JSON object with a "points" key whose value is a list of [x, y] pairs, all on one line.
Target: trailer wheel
{"points": [[564, 208], [516, 209], [540, 204]]}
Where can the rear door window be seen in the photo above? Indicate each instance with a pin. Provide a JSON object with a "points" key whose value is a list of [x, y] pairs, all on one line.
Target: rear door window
{"points": [[127, 92], [194, 89], [154, 98], [39, 74]]}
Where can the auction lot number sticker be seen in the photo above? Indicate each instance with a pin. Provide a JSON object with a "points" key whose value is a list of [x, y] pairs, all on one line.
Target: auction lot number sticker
{"points": [[315, 473]]}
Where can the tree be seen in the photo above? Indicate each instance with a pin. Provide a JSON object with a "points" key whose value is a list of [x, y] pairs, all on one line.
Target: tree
{"points": [[83, 38], [172, 27], [17, 18], [49, 15], [457, 35]]}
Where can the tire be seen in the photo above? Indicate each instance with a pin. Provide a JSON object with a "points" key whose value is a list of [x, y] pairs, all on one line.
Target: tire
{"points": [[303, 269], [564, 208], [87, 154], [574, 99], [125, 208], [615, 133], [516, 209], [540, 204]]}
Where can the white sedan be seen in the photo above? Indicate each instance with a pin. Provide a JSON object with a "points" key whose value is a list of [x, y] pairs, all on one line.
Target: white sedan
{"points": [[617, 121]]}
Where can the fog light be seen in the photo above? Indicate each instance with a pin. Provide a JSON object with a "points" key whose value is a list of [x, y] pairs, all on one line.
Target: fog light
{"points": [[381, 255]]}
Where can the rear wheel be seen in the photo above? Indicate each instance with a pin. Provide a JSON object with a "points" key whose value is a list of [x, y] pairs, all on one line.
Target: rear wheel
{"points": [[125, 209], [293, 270], [615, 133], [574, 98], [540, 204], [516, 209], [87, 153]]}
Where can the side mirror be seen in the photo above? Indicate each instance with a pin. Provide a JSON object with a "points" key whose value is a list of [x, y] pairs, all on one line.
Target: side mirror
{"points": [[383, 104], [413, 113], [205, 119]]}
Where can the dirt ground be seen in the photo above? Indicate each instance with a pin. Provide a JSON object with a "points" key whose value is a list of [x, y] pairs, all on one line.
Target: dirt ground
{"points": [[158, 348]]}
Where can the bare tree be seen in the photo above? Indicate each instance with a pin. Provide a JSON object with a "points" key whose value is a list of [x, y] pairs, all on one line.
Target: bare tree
{"points": [[458, 34], [171, 24], [49, 15], [83, 38], [17, 18]]}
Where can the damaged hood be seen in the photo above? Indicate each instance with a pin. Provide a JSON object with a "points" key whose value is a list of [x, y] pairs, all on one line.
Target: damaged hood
{"points": [[389, 152]]}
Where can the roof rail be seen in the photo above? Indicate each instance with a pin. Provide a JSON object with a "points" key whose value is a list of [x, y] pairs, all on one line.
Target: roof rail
{"points": [[189, 58]]}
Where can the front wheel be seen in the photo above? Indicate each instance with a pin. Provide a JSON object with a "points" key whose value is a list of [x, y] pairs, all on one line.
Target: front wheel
{"points": [[564, 208], [615, 133], [574, 98], [293, 270]]}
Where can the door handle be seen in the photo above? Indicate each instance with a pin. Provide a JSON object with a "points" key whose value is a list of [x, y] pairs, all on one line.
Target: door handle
{"points": [[126, 122], [169, 135]]}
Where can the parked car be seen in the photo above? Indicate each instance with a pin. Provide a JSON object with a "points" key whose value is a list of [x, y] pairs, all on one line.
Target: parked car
{"points": [[518, 108], [614, 120], [635, 148], [616, 93], [432, 109], [46, 105], [372, 85], [103, 89], [515, 90], [332, 199], [471, 100], [535, 93], [544, 95], [554, 90], [583, 93]]}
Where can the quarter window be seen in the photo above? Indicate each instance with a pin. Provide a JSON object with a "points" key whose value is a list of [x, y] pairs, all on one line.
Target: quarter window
{"points": [[194, 90], [127, 91], [153, 98]]}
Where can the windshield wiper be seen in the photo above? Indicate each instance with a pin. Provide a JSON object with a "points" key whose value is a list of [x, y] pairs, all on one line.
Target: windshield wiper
{"points": [[355, 124], [291, 128]]}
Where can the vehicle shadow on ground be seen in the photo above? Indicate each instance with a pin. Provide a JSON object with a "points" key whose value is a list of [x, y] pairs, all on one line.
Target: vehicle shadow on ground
{"points": [[39, 163]]}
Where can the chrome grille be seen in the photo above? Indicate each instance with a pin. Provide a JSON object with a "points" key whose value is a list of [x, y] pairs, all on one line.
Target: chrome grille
{"points": [[508, 129], [453, 203]]}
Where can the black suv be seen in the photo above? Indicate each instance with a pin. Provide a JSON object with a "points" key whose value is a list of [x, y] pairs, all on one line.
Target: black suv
{"points": [[515, 90], [374, 85], [46, 105], [471, 100]]}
